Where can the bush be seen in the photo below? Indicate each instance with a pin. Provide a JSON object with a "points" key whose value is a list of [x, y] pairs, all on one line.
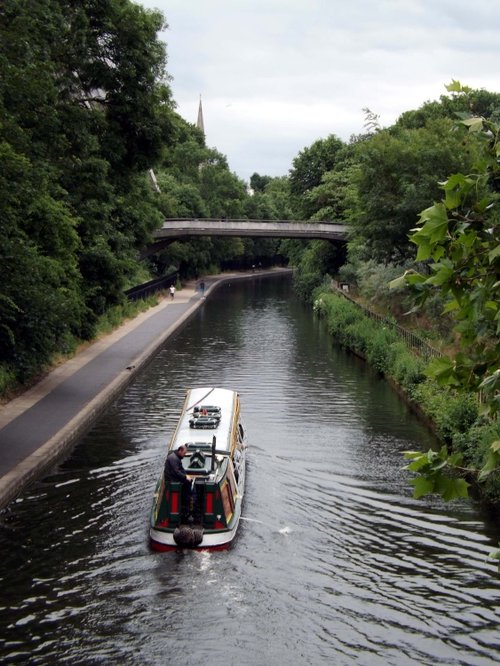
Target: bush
{"points": [[353, 336], [305, 284], [339, 313], [374, 279], [407, 369], [116, 315], [452, 412], [475, 442], [379, 350], [7, 379]]}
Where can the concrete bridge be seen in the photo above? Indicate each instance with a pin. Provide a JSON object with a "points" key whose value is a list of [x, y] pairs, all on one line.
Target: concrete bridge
{"points": [[179, 228]]}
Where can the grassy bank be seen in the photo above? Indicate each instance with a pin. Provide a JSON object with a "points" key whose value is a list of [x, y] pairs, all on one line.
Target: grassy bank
{"points": [[454, 415]]}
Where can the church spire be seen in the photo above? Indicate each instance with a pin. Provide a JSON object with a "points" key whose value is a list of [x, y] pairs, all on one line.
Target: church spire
{"points": [[199, 122]]}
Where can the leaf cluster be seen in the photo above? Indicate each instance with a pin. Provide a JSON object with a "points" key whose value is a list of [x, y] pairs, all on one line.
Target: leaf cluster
{"points": [[458, 238], [435, 473]]}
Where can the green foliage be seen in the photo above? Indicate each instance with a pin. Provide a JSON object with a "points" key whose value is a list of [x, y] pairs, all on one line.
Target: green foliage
{"points": [[379, 350], [475, 442], [335, 196], [278, 194], [222, 191], [116, 315], [452, 412], [272, 202], [379, 184], [408, 370], [259, 183], [462, 101], [353, 329], [84, 109], [459, 237], [7, 379], [308, 169], [398, 173], [316, 262], [373, 280], [433, 468]]}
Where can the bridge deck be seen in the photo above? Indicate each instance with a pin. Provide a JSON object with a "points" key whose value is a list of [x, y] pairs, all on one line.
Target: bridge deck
{"points": [[177, 228]]}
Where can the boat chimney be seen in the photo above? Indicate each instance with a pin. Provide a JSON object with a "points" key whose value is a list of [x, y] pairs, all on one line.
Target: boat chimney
{"points": [[213, 453]]}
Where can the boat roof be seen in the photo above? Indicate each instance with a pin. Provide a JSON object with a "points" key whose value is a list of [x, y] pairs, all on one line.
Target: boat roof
{"points": [[225, 399]]}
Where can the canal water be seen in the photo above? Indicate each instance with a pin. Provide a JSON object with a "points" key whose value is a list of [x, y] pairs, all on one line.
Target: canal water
{"points": [[335, 562]]}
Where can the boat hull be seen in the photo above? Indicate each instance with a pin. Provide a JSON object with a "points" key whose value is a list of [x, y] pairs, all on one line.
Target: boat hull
{"points": [[164, 541]]}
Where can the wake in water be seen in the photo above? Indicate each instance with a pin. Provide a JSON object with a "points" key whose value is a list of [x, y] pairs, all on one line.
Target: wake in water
{"points": [[283, 530]]}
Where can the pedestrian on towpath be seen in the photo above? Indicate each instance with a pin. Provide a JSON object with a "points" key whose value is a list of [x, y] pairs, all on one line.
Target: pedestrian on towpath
{"points": [[172, 292]]}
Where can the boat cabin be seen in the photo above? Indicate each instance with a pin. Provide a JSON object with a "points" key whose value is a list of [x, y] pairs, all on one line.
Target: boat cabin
{"points": [[214, 463]]}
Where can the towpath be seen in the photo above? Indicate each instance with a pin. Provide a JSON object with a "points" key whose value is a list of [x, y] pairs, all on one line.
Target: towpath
{"points": [[40, 425]]}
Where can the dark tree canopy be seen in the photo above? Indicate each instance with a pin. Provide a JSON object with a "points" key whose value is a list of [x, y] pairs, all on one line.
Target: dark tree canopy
{"points": [[398, 174], [258, 183], [85, 108], [312, 162]]}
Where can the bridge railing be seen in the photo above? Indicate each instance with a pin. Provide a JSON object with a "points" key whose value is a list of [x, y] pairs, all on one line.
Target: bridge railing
{"points": [[244, 220]]}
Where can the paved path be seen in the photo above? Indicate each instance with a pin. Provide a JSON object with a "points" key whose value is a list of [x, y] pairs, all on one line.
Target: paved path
{"points": [[37, 427]]}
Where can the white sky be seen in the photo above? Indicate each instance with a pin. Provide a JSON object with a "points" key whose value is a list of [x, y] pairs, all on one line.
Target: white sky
{"points": [[275, 75]]}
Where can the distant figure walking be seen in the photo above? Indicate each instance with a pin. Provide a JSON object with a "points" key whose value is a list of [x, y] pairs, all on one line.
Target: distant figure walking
{"points": [[202, 287], [172, 292]]}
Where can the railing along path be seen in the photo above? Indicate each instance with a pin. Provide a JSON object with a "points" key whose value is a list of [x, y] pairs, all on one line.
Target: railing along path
{"points": [[412, 340]]}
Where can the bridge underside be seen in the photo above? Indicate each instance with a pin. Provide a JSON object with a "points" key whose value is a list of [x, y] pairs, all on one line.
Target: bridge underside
{"points": [[173, 230]]}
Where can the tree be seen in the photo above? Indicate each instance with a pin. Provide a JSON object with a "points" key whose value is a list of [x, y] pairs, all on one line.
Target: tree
{"points": [[317, 260], [333, 198], [398, 174], [85, 108], [459, 239], [223, 192], [258, 183], [479, 103], [309, 167]]}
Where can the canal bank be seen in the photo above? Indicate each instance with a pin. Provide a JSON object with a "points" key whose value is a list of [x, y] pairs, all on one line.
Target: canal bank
{"points": [[40, 426]]}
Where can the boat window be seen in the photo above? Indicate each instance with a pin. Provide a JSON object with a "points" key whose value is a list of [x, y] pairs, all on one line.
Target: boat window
{"points": [[232, 480], [241, 432]]}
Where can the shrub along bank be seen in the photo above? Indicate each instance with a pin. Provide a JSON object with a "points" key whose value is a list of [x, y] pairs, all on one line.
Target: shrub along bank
{"points": [[453, 414]]}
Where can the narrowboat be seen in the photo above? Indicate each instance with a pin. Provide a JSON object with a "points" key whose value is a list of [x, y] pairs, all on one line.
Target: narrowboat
{"points": [[204, 513]]}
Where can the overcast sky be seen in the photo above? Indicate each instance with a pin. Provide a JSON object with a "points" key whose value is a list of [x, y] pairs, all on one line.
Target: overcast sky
{"points": [[275, 75]]}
